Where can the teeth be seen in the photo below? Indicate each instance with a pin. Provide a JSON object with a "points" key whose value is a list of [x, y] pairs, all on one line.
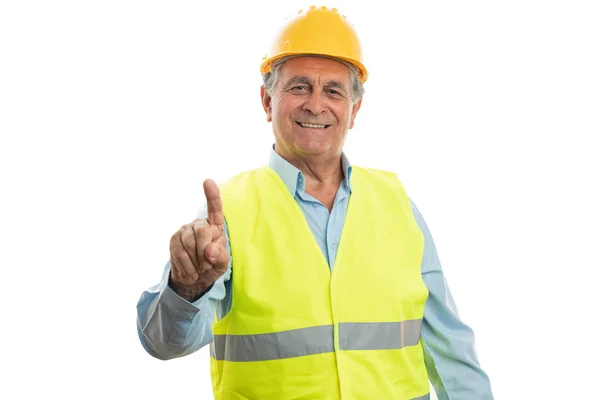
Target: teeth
{"points": [[317, 126]]}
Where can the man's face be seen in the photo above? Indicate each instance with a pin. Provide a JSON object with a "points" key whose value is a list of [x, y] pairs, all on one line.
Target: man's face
{"points": [[311, 107]]}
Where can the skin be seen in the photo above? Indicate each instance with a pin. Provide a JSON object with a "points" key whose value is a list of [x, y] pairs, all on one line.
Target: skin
{"points": [[311, 90], [318, 91], [198, 253]]}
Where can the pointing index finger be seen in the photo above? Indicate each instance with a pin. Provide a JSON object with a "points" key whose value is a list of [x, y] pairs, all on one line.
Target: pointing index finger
{"points": [[214, 203]]}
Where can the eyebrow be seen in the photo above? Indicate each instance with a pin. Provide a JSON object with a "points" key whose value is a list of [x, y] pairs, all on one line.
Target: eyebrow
{"points": [[304, 80], [298, 79], [335, 84]]}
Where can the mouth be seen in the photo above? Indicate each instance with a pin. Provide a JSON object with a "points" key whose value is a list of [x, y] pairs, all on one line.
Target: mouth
{"points": [[313, 126]]}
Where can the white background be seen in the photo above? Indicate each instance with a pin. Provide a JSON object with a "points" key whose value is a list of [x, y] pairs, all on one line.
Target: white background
{"points": [[112, 113]]}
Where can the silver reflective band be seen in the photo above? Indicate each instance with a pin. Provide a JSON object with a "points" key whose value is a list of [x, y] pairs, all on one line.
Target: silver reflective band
{"points": [[273, 346], [379, 335], [426, 397], [316, 340]]}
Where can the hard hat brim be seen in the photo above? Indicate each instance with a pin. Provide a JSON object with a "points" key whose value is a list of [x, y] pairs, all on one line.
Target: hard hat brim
{"points": [[267, 64]]}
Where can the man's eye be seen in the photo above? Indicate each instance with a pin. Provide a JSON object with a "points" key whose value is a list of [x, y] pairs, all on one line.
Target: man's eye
{"points": [[299, 88], [334, 92]]}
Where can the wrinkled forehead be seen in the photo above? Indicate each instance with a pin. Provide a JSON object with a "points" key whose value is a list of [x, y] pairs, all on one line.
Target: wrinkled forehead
{"points": [[314, 67]]}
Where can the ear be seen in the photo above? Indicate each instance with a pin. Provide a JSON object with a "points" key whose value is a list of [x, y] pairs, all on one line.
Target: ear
{"points": [[266, 102], [355, 109]]}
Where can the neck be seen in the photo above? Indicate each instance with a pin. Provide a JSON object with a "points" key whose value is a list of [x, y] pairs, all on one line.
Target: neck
{"points": [[317, 170], [322, 176]]}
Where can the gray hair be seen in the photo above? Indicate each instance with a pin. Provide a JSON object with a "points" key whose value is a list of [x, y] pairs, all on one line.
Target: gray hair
{"points": [[271, 78]]}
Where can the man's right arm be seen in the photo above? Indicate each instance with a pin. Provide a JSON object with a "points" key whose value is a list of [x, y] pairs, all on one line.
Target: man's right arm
{"points": [[170, 326], [175, 317]]}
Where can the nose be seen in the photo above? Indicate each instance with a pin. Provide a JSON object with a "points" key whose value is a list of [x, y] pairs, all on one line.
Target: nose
{"points": [[315, 102]]}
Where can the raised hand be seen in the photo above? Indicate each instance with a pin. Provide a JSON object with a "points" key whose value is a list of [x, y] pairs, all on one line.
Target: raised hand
{"points": [[198, 253]]}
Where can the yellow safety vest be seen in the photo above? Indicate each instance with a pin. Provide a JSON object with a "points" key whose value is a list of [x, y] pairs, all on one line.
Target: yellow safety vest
{"points": [[296, 330]]}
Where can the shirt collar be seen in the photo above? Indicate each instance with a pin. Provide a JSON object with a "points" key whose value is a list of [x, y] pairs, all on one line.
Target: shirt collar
{"points": [[293, 177]]}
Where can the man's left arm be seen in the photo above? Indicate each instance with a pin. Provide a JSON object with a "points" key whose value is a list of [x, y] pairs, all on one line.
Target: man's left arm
{"points": [[448, 343]]}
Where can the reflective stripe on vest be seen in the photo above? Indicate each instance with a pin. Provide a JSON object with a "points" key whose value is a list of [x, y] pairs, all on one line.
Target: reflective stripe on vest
{"points": [[316, 340]]}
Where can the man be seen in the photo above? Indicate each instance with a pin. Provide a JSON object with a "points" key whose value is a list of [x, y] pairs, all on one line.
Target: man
{"points": [[322, 278]]}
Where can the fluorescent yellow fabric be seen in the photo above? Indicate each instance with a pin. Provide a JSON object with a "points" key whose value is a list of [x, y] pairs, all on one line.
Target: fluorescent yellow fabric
{"points": [[282, 282]]}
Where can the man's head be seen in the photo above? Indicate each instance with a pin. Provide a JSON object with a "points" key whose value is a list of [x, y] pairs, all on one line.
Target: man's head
{"points": [[313, 75], [312, 102]]}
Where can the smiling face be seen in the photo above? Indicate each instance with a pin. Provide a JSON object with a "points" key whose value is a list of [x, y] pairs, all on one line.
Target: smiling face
{"points": [[311, 107]]}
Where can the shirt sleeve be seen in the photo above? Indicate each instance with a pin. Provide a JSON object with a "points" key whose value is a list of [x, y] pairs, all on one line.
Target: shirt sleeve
{"points": [[448, 343], [170, 326]]}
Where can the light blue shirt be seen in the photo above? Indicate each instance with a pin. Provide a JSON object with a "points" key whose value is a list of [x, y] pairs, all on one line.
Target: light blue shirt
{"points": [[171, 327]]}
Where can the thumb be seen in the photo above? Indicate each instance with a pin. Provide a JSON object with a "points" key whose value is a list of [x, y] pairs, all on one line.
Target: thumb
{"points": [[217, 255]]}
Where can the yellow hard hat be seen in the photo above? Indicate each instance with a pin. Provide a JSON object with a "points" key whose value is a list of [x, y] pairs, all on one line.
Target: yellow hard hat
{"points": [[318, 31]]}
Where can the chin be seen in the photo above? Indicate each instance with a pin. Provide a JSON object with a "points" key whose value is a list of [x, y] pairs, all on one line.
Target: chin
{"points": [[313, 147]]}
